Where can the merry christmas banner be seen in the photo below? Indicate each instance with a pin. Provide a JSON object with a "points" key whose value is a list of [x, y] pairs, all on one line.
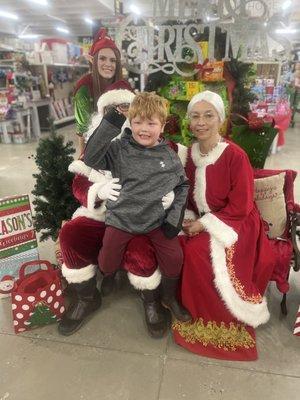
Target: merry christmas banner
{"points": [[18, 242]]}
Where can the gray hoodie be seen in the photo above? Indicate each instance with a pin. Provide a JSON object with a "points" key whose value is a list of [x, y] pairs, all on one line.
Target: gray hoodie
{"points": [[146, 175]]}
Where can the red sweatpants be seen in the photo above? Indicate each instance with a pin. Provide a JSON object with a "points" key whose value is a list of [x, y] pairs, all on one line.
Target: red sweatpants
{"points": [[168, 252]]}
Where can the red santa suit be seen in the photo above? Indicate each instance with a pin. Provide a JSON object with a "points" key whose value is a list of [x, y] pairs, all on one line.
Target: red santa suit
{"points": [[228, 265], [81, 238]]}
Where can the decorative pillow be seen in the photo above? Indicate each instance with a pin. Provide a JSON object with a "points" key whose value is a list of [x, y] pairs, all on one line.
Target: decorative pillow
{"points": [[269, 197]]}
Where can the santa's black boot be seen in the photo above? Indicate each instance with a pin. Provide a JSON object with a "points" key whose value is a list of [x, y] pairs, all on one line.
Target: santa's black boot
{"points": [[169, 301], [156, 317], [87, 300]]}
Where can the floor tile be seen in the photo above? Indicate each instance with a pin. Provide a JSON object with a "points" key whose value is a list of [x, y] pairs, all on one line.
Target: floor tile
{"points": [[34, 369], [188, 381]]}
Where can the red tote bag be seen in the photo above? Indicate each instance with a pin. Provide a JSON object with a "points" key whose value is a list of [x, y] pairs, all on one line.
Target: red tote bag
{"points": [[36, 297]]}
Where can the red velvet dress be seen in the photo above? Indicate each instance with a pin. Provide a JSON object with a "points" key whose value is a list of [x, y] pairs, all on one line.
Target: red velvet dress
{"points": [[228, 265]]}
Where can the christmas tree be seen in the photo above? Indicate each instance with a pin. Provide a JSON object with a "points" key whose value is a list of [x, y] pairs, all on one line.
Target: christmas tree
{"points": [[54, 201], [243, 74], [42, 315]]}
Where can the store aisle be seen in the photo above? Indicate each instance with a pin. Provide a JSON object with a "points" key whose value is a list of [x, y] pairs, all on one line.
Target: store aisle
{"points": [[112, 357]]}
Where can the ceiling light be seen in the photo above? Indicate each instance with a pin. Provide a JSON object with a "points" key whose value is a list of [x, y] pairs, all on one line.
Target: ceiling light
{"points": [[40, 2], [286, 4], [28, 36], [135, 9], [8, 15], [57, 18], [63, 30], [89, 21], [286, 30]]}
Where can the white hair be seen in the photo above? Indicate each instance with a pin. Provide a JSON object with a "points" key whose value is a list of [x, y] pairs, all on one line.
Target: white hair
{"points": [[212, 98]]}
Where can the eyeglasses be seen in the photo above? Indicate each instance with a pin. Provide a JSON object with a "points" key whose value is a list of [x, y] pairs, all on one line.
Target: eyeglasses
{"points": [[195, 117], [124, 107]]}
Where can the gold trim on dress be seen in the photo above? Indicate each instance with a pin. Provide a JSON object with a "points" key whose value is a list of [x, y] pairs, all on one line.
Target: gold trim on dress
{"points": [[254, 298], [228, 338]]}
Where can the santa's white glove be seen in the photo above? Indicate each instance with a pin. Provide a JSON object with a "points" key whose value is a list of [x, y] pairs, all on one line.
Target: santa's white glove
{"points": [[110, 190], [167, 200]]}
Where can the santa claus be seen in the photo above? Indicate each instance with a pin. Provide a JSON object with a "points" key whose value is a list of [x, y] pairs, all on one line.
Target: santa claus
{"points": [[81, 238]]}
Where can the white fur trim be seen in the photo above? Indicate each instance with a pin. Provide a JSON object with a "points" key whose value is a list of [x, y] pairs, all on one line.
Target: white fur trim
{"points": [[79, 167], [182, 153], [219, 230], [116, 96], [92, 197], [199, 192], [98, 214], [249, 313], [189, 214], [78, 275], [212, 156], [145, 282]]}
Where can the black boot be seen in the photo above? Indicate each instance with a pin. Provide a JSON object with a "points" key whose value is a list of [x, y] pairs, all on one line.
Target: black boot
{"points": [[168, 299], [108, 284], [156, 317], [87, 300]]}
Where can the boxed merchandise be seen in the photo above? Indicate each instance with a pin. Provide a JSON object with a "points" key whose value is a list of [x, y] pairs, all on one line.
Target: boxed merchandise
{"points": [[213, 71], [59, 49], [18, 242]]}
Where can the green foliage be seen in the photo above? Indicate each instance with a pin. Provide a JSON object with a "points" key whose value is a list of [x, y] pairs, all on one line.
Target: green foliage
{"points": [[256, 143], [54, 201], [243, 74]]}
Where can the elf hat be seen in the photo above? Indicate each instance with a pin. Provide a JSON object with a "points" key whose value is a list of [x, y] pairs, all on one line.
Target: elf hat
{"points": [[102, 41], [117, 93]]}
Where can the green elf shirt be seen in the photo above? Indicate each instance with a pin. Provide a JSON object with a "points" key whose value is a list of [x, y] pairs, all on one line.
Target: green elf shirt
{"points": [[83, 103]]}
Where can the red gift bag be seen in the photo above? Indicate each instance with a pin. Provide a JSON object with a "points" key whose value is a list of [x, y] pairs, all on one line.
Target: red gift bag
{"points": [[37, 297]]}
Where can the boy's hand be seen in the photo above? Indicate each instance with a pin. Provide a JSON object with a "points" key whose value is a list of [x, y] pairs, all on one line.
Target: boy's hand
{"points": [[110, 190], [167, 200]]}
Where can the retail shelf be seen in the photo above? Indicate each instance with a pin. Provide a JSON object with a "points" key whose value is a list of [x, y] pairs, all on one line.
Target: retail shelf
{"points": [[63, 120], [62, 65]]}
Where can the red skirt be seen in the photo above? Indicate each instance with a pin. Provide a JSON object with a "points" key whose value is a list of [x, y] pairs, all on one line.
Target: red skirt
{"points": [[214, 332]]}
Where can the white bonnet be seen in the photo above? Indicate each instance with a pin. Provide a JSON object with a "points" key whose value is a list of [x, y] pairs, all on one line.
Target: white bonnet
{"points": [[209, 97]]}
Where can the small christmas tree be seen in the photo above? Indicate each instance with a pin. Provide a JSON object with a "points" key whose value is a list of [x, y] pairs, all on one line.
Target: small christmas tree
{"points": [[242, 73], [54, 201], [42, 315]]}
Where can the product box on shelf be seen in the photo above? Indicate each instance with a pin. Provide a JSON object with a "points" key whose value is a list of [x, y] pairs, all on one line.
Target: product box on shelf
{"points": [[18, 242], [59, 49]]}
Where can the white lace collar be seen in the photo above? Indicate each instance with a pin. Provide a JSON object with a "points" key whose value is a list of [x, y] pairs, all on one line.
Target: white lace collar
{"points": [[211, 157]]}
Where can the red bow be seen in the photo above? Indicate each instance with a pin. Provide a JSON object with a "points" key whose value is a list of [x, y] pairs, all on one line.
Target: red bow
{"points": [[203, 67]]}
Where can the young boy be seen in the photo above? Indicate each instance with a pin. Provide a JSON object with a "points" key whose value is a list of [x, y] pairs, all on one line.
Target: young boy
{"points": [[147, 170]]}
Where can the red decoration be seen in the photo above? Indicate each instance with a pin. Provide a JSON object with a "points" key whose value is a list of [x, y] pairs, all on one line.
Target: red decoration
{"points": [[203, 68], [41, 288]]}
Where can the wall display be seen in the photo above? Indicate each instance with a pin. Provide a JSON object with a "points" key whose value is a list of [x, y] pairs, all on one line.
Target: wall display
{"points": [[155, 45]]}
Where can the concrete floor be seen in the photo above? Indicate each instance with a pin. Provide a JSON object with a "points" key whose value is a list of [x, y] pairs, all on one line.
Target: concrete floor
{"points": [[112, 357]]}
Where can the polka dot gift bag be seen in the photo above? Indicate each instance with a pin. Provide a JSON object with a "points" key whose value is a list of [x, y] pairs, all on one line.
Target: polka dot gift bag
{"points": [[36, 297]]}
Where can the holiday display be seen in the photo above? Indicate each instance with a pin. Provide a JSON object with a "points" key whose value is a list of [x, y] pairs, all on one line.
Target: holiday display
{"points": [[17, 239], [53, 201], [179, 92], [36, 297]]}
